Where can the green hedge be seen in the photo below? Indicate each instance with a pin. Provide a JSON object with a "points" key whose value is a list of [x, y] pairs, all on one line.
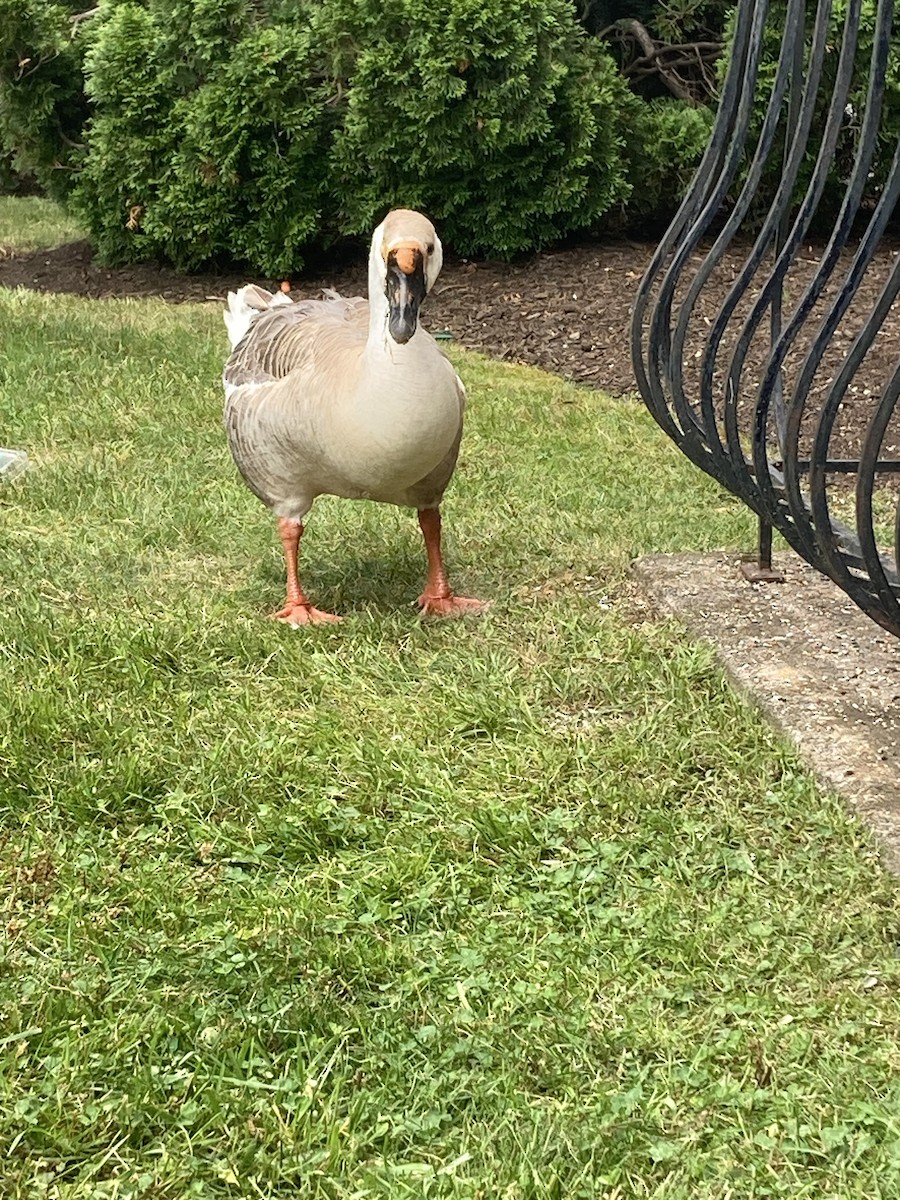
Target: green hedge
{"points": [[209, 135], [502, 120], [225, 130], [889, 128], [43, 107]]}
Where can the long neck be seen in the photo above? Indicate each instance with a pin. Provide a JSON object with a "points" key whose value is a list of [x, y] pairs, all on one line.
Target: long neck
{"points": [[378, 302], [380, 346]]}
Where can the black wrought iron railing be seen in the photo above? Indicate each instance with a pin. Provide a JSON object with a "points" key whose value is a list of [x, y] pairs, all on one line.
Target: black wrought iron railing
{"points": [[765, 345]]}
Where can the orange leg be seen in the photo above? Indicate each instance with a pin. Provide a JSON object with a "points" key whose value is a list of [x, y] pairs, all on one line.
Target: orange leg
{"points": [[297, 609], [438, 600]]}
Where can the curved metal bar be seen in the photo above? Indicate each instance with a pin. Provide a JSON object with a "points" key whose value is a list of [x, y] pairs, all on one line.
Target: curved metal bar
{"points": [[799, 229], [883, 575], [761, 459], [837, 567], [698, 207], [831, 322], [772, 289], [713, 258]]}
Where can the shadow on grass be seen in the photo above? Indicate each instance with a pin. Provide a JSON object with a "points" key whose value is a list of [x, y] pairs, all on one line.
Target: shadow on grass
{"points": [[350, 584]]}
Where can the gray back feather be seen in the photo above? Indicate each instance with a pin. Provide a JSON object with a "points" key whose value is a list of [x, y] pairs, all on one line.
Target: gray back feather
{"points": [[291, 336]]}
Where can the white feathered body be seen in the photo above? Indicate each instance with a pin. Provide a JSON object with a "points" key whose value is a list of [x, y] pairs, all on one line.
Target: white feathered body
{"points": [[320, 401]]}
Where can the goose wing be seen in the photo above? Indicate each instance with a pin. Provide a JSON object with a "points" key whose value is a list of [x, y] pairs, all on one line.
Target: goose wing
{"points": [[284, 336], [290, 362]]}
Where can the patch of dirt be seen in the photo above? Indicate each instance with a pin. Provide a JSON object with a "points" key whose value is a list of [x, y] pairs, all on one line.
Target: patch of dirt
{"points": [[566, 311]]}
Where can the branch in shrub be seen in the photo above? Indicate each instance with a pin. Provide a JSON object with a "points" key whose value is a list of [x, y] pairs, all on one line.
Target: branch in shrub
{"points": [[77, 18], [656, 58]]}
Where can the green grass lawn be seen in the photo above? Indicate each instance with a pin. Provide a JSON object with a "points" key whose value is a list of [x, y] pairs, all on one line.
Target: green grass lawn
{"points": [[33, 223], [525, 907]]}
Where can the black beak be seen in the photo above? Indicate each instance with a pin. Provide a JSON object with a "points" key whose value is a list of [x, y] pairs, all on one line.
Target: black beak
{"points": [[405, 291]]}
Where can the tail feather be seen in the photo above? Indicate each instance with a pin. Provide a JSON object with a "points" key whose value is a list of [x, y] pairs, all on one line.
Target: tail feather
{"points": [[245, 305]]}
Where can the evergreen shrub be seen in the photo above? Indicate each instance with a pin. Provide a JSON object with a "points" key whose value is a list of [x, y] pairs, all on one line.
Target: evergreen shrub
{"points": [[502, 120], [203, 131], [208, 137], [842, 164], [665, 140], [42, 103], [225, 129]]}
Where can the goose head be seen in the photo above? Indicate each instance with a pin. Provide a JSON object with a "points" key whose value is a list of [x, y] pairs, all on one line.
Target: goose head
{"points": [[405, 260]]}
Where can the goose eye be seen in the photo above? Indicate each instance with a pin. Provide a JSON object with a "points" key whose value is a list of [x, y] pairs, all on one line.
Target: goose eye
{"points": [[430, 247]]}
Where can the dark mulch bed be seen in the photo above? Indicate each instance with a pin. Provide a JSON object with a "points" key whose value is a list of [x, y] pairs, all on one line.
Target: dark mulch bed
{"points": [[565, 311]]}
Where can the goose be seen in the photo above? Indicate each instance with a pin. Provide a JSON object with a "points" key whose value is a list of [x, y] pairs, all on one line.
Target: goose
{"points": [[351, 398]]}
